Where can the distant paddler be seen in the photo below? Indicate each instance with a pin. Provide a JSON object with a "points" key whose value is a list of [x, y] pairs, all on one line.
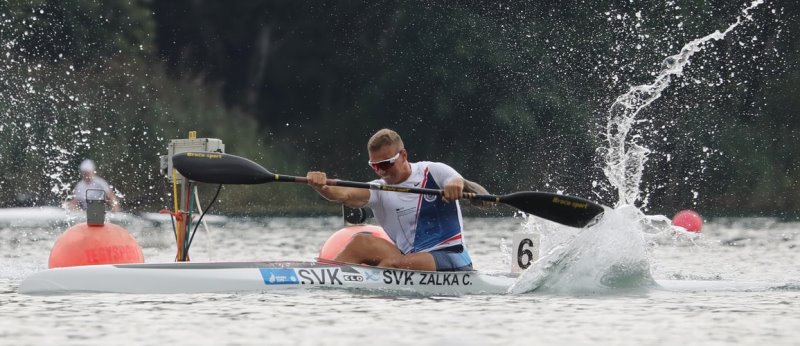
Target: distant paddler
{"points": [[90, 180]]}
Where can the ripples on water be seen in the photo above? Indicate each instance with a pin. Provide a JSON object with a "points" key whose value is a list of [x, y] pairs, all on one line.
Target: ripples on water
{"points": [[573, 308]]}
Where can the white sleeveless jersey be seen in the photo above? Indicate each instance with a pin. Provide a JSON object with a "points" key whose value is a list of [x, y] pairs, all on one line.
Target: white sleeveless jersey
{"points": [[419, 223], [96, 183]]}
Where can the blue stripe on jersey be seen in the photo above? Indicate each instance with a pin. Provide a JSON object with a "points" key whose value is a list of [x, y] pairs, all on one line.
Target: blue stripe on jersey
{"points": [[437, 221]]}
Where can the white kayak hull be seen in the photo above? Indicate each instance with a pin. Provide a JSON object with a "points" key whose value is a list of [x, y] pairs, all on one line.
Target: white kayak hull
{"points": [[170, 278], [225, 277]]}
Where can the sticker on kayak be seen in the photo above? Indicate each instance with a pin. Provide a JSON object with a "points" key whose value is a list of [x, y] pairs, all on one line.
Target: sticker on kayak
{"points": [[279, 276]]}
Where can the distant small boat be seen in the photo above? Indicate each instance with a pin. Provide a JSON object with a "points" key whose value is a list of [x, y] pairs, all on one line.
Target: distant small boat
{"points": [[49, 216], [53, 216], [166, 218]]}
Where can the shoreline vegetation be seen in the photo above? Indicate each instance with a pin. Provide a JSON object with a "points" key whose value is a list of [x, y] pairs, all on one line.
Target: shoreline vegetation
{"points": [[515, 102]]}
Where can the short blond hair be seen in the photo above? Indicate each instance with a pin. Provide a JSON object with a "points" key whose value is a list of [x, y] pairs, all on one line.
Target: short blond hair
{"points": [[385, 137]]}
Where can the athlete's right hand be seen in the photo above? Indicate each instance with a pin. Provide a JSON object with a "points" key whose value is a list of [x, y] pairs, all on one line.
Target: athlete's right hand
{"points": [[317, 179]]}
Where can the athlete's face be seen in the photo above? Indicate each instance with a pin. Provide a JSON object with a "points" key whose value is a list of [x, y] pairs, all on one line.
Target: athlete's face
{"points": [[87, 175], [389, 163]]}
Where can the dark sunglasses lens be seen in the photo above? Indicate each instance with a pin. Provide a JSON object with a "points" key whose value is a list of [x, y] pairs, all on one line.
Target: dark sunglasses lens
{"points": [[383, 165]]}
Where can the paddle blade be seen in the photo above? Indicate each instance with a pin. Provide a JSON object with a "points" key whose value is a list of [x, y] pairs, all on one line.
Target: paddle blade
{"points": [[566, 210], [217, 168]]}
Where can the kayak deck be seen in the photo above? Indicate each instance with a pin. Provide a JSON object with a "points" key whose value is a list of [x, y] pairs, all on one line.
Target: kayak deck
{"points": [[255, 277], [219, 277]]}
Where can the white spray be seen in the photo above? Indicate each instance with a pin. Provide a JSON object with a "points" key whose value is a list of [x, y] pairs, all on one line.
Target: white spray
{"points": [[624, 158], [614, 253]]}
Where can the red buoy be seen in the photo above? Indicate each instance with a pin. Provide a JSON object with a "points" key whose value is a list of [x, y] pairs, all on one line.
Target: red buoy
{"points": [[337, 241], [86, 245], [688, 219]]}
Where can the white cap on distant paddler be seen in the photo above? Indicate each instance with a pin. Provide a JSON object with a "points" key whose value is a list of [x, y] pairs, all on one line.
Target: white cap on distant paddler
{"points": [[88, 166]]}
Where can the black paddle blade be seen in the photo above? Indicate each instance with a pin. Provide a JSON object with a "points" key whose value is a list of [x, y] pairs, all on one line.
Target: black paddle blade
{"points": [[218, 168], [566, 210]]}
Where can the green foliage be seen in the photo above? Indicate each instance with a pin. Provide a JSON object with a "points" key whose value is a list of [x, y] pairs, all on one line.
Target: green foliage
{"points": [[513, 94], [102, 98], [82, 31]]}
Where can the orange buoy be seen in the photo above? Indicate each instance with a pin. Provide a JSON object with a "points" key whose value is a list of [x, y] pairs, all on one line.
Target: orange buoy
{"points": [[85, 245], [688, 219], [340, 238]]}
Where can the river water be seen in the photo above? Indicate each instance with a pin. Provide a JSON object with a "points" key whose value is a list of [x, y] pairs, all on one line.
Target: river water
{"points": [[737, 283]]}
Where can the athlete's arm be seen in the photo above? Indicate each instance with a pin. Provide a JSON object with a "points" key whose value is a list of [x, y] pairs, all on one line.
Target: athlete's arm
{"points": [[471, 186], [113, 201], [451, 182], [453, 189], [73, 204], [351, 197]]}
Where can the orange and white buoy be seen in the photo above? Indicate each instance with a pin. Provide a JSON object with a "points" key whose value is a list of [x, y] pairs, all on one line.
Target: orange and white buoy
{"points": [[85, 244], [337, 241]]}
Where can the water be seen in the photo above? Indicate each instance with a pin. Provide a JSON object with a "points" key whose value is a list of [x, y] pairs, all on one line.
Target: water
{"points": [[625, 156], [738, 252], [613, 254], [630, 279]]}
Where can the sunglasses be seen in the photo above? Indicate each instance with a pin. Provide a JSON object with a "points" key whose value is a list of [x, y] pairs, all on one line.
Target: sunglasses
{"points": [[384, 165]]}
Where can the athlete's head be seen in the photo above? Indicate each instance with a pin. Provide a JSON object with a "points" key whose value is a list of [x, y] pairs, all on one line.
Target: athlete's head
{"points": [[383, 138], [87, 169], [388, 157]]}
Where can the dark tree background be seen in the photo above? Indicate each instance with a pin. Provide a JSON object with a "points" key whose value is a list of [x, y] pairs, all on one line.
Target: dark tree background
{"points": [[513, 94]]}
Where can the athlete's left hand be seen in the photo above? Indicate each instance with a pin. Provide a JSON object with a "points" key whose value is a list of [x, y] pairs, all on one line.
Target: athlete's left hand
{"points": [[453, 190]]}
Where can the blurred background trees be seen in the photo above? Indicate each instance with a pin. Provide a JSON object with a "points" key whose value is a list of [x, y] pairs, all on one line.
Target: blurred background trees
{"points": [[512, 94]]}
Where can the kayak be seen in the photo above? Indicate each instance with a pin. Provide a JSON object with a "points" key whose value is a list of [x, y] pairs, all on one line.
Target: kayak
{"points": [[159, 218], [53, 216], [220, 277], [285, 276]]}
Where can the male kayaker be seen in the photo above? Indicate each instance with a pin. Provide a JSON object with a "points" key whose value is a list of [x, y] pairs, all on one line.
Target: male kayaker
{"points": [[425, 228], [89, 180]]}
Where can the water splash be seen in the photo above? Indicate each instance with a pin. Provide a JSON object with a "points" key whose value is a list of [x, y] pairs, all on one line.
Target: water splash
{"points": [[37, 100], [61, 102], [624, 157], [615, 253], [612, 255]]}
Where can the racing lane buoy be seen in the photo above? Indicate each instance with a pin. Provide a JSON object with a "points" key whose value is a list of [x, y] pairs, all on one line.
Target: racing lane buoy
{"points": [[688, 219], [83, 244], [337, 241]]}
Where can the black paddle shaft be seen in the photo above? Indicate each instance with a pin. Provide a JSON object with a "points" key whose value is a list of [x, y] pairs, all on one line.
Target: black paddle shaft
{"points": [[217, 168], [567, 210]]}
